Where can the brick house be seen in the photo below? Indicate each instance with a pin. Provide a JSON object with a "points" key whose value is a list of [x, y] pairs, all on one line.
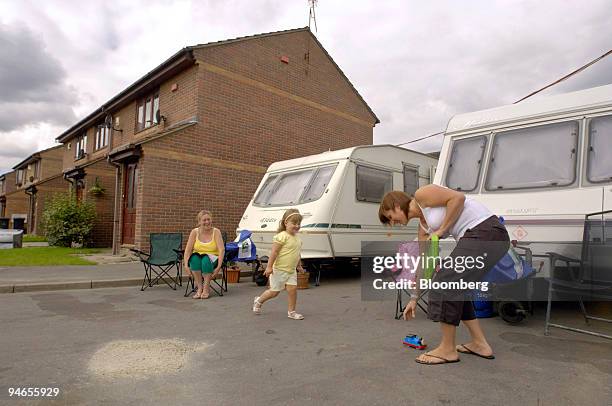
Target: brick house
{"points": [[38, 177], [199, 130], [13, 200]]}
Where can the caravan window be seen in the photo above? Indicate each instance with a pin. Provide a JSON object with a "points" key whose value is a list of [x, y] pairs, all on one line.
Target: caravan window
{"points": [[289, 188], [599, 167], [465, 163], [319, 183], [534, 157], [411, 179], [266, 189], [372, 184], [295, 187]]}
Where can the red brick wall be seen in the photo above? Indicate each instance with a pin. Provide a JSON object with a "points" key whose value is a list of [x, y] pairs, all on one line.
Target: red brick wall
{"points": [[175, 106], [253, 111], [16, 203], [103, 226]]}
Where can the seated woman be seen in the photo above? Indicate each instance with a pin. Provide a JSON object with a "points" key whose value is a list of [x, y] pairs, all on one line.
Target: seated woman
{"points": [[204, 253]]}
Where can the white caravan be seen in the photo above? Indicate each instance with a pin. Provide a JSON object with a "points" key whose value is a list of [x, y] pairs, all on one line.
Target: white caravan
{"points": [[541, 164], [338, 193]]}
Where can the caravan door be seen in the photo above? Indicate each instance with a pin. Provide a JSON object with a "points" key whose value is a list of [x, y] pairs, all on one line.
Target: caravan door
{"points": [[599, 159]]}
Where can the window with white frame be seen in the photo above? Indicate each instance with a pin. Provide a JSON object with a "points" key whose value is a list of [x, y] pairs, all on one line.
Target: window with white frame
{"points": [[599, 161], [534, 157], [146, 111], [102, 136], [465, 162], [19, 176], [80, 146], [373, 184]]}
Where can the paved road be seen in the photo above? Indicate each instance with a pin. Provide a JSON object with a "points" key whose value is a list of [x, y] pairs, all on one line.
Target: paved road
{"points": [[345, 352]]}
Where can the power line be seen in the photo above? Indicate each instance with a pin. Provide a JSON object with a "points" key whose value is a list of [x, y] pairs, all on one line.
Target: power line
{"points": [[420, 139], [567, 76], [594, 61]]}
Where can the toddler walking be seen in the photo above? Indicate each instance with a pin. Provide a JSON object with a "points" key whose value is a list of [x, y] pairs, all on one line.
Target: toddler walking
{"points": [[283, 262]]}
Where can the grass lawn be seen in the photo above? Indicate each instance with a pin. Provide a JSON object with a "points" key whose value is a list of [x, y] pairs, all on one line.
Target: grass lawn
{"points": [[34, 238], [32, 256]]}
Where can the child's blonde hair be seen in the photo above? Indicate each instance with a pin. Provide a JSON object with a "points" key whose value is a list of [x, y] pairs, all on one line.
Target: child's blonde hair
{"points": [[292, 215]]}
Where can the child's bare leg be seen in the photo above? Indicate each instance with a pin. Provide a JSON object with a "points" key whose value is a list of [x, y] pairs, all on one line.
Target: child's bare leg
{"points": [[267, 295], [292, 296]]}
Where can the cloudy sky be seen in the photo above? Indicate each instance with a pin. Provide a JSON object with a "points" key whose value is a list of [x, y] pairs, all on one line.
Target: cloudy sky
{"points": [[416, 63]]}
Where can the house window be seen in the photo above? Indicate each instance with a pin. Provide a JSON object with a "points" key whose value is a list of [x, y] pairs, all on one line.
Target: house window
{"points": [[37, 169], [465, 163], [19, 177], [2, 186], [80, 146], [542, 156], [102, 136], [411, 179], [599, 168], [146, 111], [372, 184]]}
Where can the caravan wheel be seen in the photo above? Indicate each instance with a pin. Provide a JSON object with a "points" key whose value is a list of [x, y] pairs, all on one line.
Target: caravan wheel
{"points": [[511, 312]]}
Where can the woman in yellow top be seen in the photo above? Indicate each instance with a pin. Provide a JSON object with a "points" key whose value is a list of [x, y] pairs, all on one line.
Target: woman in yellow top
{"points": [[204, 253], [283, 262]]}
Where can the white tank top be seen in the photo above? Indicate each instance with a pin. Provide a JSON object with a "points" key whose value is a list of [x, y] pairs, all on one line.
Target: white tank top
{"points": [[473, 213]]}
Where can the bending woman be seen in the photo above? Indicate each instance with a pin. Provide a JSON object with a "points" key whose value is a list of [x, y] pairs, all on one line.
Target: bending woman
{"points": [[446, 212], [204, 248]]}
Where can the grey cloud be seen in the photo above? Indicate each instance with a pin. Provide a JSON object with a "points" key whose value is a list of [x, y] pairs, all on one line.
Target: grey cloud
{"points": [[32, 82], [15, 115]]}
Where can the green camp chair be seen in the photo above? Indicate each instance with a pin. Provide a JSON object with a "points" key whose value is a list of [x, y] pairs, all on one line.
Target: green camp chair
{"points": [[162, 257]]}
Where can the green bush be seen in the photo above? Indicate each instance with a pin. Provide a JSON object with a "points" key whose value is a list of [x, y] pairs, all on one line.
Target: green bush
{"points": [[66, 222]]}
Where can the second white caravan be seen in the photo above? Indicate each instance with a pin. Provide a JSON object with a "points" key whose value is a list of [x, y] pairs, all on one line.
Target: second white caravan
{"points": [[338, 193], [541, 164]]}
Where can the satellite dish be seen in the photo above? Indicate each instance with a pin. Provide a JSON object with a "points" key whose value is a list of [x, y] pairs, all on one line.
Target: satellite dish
{"points": [[108, 121]]}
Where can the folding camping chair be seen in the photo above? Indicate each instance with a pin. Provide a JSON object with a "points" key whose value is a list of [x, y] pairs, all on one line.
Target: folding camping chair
{"points": [[241, 250], [162, 257], [218, 287], [413, 249], [589, 277]]}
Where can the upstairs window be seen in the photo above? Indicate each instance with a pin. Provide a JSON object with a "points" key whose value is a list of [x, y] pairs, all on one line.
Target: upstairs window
{"points": [[535, 157], [80, 146], [599, 167], [102, 136], [19, 177], [146, 111], [465, 163]]}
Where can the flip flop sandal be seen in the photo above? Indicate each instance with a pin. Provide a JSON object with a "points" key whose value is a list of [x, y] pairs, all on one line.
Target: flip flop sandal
{"points": [[444, 360], [414, 341], [468, 351], [295, 316]]}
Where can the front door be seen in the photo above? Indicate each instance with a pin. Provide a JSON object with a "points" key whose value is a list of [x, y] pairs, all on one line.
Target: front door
{"points": [[130, 187]]}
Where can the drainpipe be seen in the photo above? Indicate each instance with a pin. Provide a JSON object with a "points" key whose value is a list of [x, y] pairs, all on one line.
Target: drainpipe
{"points": [[115, 208]]}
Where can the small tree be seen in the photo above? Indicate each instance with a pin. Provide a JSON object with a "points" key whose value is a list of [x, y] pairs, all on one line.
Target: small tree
{"points": [[66, 221]]}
